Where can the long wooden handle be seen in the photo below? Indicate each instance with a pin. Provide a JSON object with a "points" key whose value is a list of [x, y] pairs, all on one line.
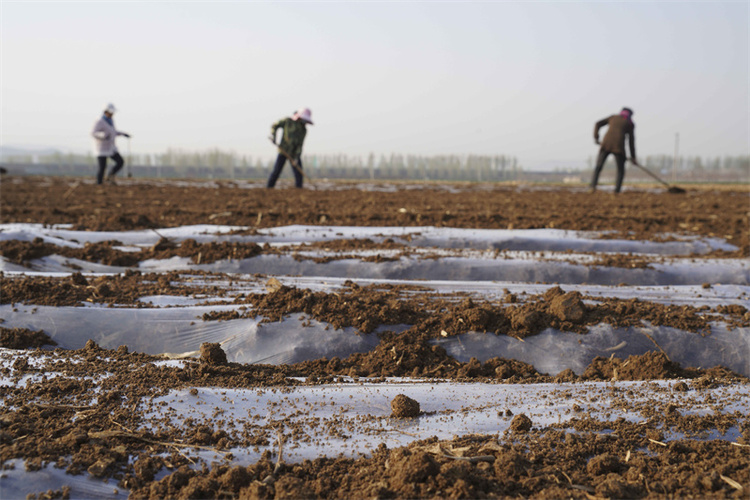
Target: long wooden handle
{"points": [[649, 172], [291, 160], [294, 163]]}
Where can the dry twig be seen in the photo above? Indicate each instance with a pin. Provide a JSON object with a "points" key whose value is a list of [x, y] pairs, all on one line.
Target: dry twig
{"points": [[585, 489], [731, 482], [125, 434]]}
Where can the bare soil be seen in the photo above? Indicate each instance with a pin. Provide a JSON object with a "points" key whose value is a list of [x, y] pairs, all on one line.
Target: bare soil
{"points": [[713, 211], [368, 307], [89, 431], [62, 421]]}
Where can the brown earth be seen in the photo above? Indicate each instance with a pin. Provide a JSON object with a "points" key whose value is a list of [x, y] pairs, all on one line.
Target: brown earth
{"points": [[63, 421], [21, 252], [709, 211], [76, 289], [368, 307], [23, 338], [91, 431], [551, 464], [107, 253]]}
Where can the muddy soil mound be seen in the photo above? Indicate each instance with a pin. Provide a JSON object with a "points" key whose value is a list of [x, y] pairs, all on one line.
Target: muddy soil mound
{"points": [[107, 253], [22, 252], [203, 253], [366, 307], [23, 338], [540, 464], [648, 366], [76, 289]]}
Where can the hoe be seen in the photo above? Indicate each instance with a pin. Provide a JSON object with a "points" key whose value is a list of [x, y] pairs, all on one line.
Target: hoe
{"points": [[670, 188]]}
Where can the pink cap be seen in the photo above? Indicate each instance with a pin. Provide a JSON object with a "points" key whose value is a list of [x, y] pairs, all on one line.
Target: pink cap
{"points": [[303, 114]]}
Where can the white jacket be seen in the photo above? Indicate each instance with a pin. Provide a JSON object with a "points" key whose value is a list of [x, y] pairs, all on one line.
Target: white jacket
{"points": [[104, 138]]}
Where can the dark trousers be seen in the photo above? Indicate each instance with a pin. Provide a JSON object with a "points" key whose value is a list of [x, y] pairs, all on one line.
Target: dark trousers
{"points": [[619, 160], [280, 161], [119, 162]]}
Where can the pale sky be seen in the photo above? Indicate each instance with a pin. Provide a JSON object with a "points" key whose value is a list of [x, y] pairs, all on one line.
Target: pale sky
{"points": [[527, 79]]}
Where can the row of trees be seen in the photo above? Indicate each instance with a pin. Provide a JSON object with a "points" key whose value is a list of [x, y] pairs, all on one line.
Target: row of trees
{"points": [[216, 163], [221, 164], [415, 167], [689, 163]]}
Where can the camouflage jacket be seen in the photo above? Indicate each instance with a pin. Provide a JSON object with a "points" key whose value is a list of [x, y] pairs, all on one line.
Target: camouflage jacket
{"points": [[294, 135]]}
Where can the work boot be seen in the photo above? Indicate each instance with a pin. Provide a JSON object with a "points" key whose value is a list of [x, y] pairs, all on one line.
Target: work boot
{"points": [[111, 179]]}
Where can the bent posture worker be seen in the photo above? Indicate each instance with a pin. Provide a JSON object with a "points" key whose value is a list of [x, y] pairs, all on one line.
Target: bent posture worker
{"points": [[291, 144], [613, 143]]}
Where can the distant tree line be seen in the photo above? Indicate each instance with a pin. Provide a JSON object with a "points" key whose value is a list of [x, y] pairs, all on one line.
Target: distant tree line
{"points": [[414, 167], [690, 163], [215, 163], [682, 168]]}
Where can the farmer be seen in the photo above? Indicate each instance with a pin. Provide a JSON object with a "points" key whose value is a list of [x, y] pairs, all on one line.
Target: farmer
{"points": [[291, 144], [614, 142], [104, 144]]}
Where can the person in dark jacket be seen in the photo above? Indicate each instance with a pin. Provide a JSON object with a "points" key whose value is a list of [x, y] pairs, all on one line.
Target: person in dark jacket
{"points": [[619, 126], [290, 148], [104, 134]]}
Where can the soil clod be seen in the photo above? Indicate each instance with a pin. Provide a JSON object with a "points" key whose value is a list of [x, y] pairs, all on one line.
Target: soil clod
{"points": [[521, 423], [404, 407], [212, 354]]}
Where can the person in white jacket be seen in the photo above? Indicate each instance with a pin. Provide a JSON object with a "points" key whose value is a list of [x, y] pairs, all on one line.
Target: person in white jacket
{"points": [[104, 144]]}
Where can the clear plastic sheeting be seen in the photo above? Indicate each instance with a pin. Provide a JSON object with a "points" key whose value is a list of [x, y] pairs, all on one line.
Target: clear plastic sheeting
{"points": [[63, 236], [427, 236], [151, 331], [553, 351], [538, 240], [179, 332], [504, 269], [694, 295], [175, 327], [364, 409], [17, 483], [319, 413], [353, 418], [454, 254], [288, 342], [518, 268]]}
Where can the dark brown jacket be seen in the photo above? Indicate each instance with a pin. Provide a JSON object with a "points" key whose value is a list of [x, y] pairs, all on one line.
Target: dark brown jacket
{"points": [[614, 139]]}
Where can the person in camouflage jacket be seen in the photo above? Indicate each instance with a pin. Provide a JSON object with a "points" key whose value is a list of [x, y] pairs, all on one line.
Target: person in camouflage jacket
{"points": [[290, 148]]}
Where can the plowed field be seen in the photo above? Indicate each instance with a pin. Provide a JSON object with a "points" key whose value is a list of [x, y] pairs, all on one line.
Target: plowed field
{"points": [[185, 339]]}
